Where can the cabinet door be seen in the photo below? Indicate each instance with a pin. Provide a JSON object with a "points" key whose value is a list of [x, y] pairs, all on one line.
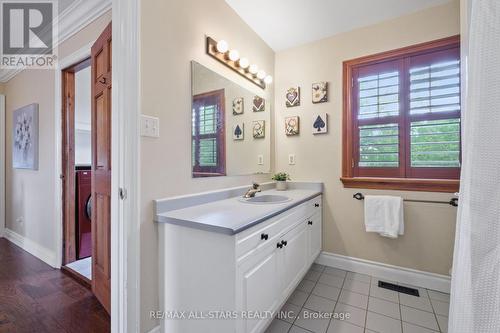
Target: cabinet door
{"points": [[258, 286], [314, 237], [294, 260]]}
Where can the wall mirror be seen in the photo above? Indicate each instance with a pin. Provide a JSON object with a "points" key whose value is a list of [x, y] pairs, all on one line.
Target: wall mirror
{"points": [[230, 127]]}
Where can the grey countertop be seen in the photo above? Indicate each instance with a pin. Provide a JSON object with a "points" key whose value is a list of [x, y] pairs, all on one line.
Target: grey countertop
{"points": [[231, 216]]}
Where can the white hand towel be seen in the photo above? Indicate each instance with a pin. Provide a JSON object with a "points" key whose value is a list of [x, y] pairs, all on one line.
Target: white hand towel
{"points": [[384, 214]]}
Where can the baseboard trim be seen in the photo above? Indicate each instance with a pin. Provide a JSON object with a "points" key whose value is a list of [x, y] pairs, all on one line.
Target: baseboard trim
{"points": [[31, 247], [155, 329], [390, 272]]}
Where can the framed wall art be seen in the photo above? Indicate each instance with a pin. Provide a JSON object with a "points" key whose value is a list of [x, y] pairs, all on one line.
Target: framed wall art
{"points": [[25, 137], [292, 97]]}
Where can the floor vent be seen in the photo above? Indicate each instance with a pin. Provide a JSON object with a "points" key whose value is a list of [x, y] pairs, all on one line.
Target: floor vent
{"points": [[400, 289]]}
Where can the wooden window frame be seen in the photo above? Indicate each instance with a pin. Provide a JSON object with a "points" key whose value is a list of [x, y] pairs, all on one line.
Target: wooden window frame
{"points": [[220, 168], [395, 180]]}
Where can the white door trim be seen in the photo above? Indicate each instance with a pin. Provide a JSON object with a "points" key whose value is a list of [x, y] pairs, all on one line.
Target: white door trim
{"points": [[2, 164], [125, 225], [125, 297], [79, 55]]}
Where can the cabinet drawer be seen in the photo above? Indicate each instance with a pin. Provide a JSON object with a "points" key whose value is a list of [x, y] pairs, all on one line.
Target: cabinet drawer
{"points": [[268, 231]]}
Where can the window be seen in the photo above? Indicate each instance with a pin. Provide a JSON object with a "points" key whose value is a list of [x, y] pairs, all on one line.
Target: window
{"points": [[208, 139], [402, 118]]}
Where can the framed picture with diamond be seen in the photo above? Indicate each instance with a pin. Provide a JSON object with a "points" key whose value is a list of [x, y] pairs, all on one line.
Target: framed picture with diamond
{"points": [[25, 137]]}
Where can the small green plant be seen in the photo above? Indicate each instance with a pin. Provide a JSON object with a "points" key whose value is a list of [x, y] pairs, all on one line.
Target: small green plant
{"points": [[281, 177]]}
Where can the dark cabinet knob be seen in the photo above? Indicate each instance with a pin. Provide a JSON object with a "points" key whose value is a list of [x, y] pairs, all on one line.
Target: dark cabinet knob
{"points": [[279, 245], [316, 205], [310, 222], [264, 236], [284, 242]]}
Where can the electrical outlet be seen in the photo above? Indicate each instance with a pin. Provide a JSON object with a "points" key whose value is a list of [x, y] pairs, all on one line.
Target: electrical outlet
{"points": [[291, 159], [260, 159], [150, 126]]}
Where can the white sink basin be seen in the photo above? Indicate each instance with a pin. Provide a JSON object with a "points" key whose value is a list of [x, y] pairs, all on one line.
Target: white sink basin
{"points": [[266, 199]]}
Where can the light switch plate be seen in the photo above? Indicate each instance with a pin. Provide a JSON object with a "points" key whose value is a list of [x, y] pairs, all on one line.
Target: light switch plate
{"points": [[291, 159], [150, 126], [260, 159]]}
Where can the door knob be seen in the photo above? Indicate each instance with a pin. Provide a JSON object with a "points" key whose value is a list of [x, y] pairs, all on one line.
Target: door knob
{"points": [[264, 236], [310, 222], [316, 205]]}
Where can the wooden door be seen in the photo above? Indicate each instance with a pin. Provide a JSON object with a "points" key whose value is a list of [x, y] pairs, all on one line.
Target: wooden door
{"points": [[101, 168]]}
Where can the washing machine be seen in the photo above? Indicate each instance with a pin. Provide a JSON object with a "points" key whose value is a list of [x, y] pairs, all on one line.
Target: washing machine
{"points": [[84, 213]]}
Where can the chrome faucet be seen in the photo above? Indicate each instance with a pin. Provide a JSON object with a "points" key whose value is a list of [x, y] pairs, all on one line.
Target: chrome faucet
{"points": [[251, 192]]}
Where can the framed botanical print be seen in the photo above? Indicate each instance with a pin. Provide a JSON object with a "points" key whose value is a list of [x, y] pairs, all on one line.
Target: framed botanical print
{"points": [[320, 92], [238, 106], [25, 137]]}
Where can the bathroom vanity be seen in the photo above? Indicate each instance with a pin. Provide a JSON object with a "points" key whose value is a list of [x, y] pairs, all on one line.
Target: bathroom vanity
{"points": [[227, 264]]}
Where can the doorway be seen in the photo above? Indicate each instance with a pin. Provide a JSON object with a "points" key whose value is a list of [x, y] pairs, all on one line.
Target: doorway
{"points": [[86, 169], [77, 173]]}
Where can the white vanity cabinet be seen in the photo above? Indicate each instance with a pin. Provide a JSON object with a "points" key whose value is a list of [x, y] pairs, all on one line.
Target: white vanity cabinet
{"points": [[250, 274], [269, 273]]}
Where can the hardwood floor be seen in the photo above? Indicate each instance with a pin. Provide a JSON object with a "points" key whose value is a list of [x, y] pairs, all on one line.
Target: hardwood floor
{"points": [[35, 297]]}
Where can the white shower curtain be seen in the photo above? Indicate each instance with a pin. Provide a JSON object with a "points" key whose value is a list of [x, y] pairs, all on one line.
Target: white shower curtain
{"points": [[475, 292]]}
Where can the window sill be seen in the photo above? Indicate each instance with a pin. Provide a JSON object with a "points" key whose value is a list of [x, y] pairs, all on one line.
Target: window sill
{"points": [[403, 184]]}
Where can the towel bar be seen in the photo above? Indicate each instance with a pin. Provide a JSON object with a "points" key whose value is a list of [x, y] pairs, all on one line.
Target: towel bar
{"points": [[453, 201]]}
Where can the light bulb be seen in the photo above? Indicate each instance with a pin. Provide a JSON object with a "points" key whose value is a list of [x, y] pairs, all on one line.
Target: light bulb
{"points": [[268, 79], [243, 63], [222, 46], [253, 69], [233, 55], [261, 74]]}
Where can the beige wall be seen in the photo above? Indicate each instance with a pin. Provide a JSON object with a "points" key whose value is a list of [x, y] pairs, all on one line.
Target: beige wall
{"points": [[429, 229], [173, 34], [30, 193]]}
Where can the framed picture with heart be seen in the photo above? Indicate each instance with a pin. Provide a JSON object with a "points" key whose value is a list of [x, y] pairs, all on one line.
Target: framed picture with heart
{"points": [[259, 104], [292, 97]]}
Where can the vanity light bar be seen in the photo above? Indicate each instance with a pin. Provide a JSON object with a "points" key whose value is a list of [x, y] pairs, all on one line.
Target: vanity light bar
{"points": [[231, 58]]}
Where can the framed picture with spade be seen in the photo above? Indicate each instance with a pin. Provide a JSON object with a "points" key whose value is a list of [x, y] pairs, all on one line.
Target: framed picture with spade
{"points": [[292, 97], [239, 131], [320, 123]]}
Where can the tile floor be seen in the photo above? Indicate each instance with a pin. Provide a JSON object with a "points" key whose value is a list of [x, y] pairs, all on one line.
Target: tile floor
{"points": [[327, 290], [82, 266]]}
